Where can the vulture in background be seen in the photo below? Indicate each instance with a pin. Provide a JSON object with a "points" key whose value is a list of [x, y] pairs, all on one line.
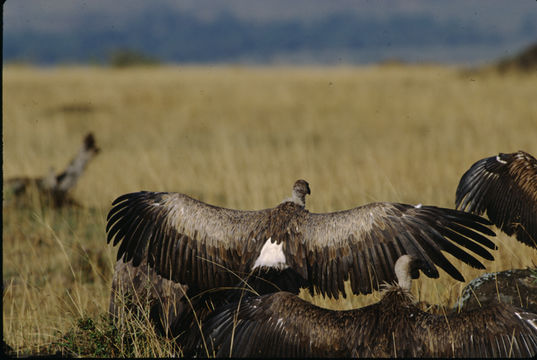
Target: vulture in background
{"points": [[57, 187], [287, 247], [283, 325], [505, 186]]}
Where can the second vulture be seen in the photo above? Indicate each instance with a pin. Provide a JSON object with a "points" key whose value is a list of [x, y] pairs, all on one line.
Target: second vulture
{"points": [[206, 246], [283, 325], [505, 186]]}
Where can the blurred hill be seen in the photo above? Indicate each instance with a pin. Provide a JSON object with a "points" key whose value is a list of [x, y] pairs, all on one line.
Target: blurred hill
{"points": [[525, 61], [240, 31]]}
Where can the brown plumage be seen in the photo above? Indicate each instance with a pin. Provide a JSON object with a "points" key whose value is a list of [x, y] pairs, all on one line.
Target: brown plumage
{"points": [[206, 247], [283, 325], [505, 186]]}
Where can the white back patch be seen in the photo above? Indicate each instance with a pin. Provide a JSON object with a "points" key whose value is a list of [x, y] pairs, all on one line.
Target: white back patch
{"points": [[271, 256], [418, 206]]}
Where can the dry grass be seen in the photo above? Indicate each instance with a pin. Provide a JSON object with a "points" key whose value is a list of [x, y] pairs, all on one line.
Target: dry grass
{"points": [[238, 137]]}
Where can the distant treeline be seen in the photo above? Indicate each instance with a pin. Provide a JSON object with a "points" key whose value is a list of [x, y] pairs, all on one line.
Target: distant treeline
{"points": [[171, 36]]}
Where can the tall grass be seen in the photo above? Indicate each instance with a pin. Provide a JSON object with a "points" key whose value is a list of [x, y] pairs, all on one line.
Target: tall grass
{"points": [[237, 137]]}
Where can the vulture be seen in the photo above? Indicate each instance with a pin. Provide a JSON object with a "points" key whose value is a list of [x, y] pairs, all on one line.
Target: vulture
{"points": [[505, 186], [283, 325], [287, 247], [57, 187]]}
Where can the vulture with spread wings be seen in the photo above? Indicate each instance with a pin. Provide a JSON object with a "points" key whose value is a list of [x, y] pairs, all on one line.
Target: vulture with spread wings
{"points": [[505, 186], [206, 247]]}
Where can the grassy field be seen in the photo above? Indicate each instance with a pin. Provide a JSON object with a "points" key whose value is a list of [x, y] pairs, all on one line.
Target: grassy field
{"points": [[236, 137]]}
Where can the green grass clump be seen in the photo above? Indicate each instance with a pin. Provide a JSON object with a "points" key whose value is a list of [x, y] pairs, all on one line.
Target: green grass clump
{"points": [[99, 337]]}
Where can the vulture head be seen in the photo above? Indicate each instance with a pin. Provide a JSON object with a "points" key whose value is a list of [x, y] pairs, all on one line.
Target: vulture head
{"points": [[300, 190]]}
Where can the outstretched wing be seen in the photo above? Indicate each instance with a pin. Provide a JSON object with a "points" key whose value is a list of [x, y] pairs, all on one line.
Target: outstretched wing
{"points": [[505, 186], [186, 240], [274, 325], [498, 330], [283, 325], [362, 244]]}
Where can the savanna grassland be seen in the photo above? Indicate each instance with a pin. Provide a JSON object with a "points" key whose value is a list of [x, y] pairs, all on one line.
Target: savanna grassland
{"points": [[235, 137]]}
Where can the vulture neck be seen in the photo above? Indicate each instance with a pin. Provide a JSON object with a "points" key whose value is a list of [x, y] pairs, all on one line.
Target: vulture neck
{"points": [[398, 294], [402, 271], [297, 198]]}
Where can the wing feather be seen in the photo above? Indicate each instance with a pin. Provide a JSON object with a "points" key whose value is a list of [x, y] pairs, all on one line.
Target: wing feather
{"points": [[355, 271], [379, 233], [113, 217], [324, 277], [380, 263], [498, 330], [153, 224], [459, 239], [120, 225], [414, 248], [431, 239], [505, 187], [275, 325]]}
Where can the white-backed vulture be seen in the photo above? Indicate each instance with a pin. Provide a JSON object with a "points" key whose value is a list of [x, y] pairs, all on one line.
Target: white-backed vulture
{"points": [[207, 247], [283, 325], [505, 186]]}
